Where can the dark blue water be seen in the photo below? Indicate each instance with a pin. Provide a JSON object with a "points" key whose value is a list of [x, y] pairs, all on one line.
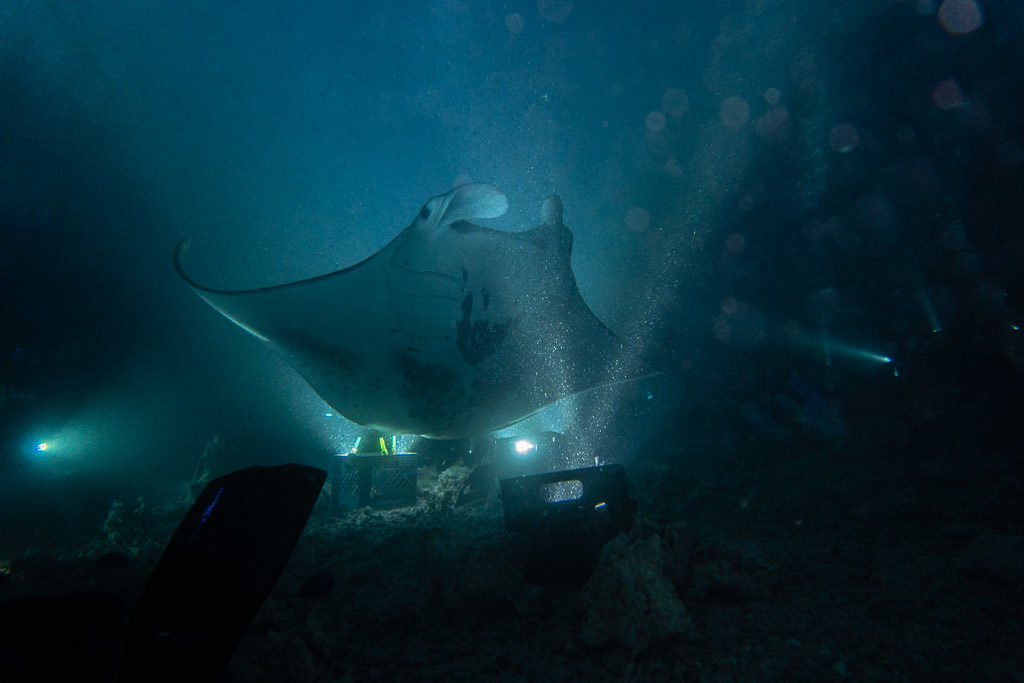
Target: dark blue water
{"points": [[809, 213]]}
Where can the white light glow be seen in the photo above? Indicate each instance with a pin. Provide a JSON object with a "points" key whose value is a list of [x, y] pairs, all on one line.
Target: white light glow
{"points": [[524, 446]]}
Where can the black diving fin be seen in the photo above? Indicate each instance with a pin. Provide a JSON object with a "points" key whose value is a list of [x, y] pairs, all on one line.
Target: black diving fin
{"points": [[215, 573]]}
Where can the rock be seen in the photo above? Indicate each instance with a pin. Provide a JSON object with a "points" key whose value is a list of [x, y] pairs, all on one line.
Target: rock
{"points": [[449, 486], [629, 601], [316, 586], [678, 542]]}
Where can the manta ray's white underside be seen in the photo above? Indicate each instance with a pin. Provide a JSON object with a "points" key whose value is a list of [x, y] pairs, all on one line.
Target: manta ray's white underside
{"points": [[450, 330]]}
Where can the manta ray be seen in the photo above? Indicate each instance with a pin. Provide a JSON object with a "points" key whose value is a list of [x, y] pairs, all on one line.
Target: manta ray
{"points": [[451, 330]]}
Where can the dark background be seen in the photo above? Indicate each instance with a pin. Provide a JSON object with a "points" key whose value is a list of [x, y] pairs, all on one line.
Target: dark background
{"points": [[773, 197]]}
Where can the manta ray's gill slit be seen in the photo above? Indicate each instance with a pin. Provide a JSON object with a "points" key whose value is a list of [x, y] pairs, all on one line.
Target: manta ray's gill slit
{"points": [[422, 306], [397, 290], [408, 314], [424, 335], [405, 267], [402, 293]]}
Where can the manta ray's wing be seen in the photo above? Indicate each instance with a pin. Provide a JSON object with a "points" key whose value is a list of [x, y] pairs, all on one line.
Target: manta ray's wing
{"points": [[450, 330]]}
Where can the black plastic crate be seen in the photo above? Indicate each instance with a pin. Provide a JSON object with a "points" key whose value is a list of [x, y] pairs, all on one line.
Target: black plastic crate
{"points": [[378, 481], [568, 516]]}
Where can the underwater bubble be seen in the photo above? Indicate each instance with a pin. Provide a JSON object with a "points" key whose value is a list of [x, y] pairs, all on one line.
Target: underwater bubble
{"points": [[720, 330], [772, 96], [733, 112], [947, 95], [729, 305], [514, 23], [771, 122], [735, 242], [655, 121], [960, 16], [746, 203], [843, 138], [555, 11], [675, 102], [637, 219]]}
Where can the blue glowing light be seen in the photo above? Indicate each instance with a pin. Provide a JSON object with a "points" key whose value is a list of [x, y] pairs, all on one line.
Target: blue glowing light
{"points": [[206, 514], [42, 446]]}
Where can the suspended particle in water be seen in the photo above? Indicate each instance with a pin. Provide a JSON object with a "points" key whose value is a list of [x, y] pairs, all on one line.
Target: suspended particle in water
{"points": [[843, 138], [673, 169], [735, 242], [733, 112], [947, 95], [655, 121], [960, 16], [514, 23], [555, 11], [675, 102], [637, 219], [772, 122]]}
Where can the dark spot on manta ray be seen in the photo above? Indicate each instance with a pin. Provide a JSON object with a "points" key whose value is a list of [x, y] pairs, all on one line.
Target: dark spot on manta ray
{"points": [[424, 213], [465, 274], [487, 297], [477, 339], [426, 388]]}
